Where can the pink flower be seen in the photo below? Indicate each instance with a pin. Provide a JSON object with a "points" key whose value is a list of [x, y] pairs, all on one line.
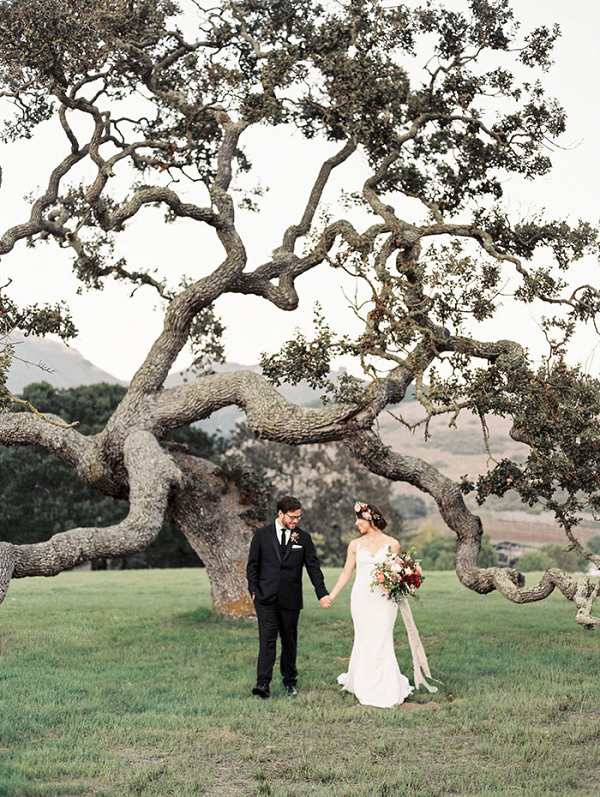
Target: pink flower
{"points": [[418, 569], [380, 578]]}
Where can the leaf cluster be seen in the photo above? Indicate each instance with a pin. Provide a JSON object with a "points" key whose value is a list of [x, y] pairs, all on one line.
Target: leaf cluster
{"points": [[37, 319], [45, 44], [555, 409], [301, 359]]}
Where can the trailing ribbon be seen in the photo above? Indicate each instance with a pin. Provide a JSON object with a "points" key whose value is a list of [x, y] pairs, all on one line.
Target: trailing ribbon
{"points": [[420, 666]]}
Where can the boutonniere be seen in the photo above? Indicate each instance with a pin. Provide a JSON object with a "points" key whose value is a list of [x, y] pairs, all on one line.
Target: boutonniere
{"points": [[294, 537]]}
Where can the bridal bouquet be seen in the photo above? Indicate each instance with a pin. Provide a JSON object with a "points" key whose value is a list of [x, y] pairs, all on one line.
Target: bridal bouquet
{"points": [[398, 575]]}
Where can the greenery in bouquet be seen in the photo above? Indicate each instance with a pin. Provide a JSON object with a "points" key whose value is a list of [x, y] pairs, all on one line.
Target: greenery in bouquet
{"points": [[398, 575]]}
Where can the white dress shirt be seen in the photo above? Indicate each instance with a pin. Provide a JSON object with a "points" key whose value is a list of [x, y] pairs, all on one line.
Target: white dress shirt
{"points": [[280, 529]]}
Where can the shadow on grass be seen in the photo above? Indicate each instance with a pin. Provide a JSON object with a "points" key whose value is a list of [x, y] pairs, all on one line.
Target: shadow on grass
{"points": [[202, 615]]}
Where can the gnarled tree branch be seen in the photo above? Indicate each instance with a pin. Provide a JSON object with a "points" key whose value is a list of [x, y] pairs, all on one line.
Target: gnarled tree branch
{"points": [[370, 451], [151, 473]]}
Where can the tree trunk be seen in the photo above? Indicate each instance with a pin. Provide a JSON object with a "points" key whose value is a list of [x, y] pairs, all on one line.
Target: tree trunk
{"points": [[7, 566], [217, 522]]}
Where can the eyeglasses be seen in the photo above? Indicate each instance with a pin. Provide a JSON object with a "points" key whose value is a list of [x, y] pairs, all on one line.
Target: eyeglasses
{"points": [[293, 517]]}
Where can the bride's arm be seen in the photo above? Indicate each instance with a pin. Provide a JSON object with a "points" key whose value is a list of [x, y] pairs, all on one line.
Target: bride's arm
{"points": [[344, 576]]}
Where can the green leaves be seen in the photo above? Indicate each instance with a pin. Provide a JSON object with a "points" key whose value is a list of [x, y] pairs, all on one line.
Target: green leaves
{"points": [[539, 44], [54, 43], [206, 340], [556, 409], [37, 319], [301, 358]]}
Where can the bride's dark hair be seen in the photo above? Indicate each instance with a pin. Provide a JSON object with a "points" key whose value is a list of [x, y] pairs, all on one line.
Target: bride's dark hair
{"points": [[376, 518]]}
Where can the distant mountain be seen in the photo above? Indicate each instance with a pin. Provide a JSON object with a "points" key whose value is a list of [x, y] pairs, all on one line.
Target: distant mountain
{"points": [[68, 368]]}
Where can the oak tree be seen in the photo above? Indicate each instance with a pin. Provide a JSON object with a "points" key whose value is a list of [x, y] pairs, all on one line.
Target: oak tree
{"points": [[160, 98]]}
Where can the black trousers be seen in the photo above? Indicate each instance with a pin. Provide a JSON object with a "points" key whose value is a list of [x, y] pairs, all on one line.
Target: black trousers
{"points": [[273, 622]]}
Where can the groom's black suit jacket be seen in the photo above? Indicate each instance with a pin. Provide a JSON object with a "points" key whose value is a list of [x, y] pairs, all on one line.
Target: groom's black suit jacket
{"points": [[274, 579]]}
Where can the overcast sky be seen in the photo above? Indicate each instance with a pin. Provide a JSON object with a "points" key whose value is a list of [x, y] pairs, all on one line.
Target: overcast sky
{"points": [[116, 332]]}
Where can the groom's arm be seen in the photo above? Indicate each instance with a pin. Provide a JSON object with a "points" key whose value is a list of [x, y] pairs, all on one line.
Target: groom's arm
{"points": [[313, 568], [253, 565]]}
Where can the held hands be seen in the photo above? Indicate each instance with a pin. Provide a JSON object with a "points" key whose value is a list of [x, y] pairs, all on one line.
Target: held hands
{"points": [[326, 601]]}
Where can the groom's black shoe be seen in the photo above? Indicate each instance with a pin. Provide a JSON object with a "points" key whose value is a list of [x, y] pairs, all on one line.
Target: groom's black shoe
{"points": [[262, 690], [291, 690]]}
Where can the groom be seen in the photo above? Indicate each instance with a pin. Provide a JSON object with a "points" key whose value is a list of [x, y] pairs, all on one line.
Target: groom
{"points": [[278, 553]]}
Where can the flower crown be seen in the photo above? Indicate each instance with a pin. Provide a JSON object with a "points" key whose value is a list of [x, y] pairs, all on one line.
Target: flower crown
{"points": [[363, 510]]}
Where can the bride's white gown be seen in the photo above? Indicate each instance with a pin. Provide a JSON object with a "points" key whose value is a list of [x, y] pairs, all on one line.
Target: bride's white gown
{"points": [[373, 673]]}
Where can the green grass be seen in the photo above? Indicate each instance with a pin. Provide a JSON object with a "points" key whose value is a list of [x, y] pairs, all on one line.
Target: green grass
{"points": [[122, 683]]}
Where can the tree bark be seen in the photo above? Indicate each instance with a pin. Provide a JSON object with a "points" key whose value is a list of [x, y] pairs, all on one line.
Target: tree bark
{"points": [[151, 473], [216, 520]]}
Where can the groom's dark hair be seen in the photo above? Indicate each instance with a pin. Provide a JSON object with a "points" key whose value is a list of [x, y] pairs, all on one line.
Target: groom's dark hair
{"points": [[287, 503]]}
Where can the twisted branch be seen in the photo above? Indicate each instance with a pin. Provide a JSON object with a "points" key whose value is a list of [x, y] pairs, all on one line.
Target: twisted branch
{"points": [[151, 473], [368, 449], [268, 414]]}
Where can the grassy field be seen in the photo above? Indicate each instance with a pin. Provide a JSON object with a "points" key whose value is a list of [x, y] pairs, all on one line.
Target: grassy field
{"points": [[122, 683]]}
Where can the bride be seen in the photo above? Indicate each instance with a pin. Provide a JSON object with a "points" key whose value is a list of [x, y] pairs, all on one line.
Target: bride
{"points": [[373, 673]]}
